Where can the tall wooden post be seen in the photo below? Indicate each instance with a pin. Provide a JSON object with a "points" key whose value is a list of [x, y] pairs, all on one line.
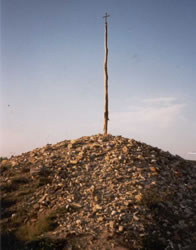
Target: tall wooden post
{"points": [[106, 113]]}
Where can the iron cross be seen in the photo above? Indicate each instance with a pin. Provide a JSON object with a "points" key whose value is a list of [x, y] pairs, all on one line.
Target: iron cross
{"points": [[106, 15]]}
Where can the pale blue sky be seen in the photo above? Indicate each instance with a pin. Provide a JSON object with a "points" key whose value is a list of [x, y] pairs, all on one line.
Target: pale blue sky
{"points": [[52, 72]]}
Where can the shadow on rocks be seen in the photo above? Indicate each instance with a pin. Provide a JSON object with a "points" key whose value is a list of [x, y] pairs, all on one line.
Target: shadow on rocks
{"points": [[8, 240]]}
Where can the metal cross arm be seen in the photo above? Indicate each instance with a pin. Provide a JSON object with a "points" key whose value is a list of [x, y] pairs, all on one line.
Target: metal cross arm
{"points": [[106, 15]]}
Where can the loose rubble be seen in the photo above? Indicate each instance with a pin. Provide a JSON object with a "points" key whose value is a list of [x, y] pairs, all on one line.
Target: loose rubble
{"points": [[107, 192]]}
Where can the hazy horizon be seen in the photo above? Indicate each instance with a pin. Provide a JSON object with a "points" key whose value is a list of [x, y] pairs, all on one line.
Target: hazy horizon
{"points": [[52, 72]]}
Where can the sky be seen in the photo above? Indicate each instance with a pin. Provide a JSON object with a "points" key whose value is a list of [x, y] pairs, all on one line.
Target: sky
{"points": [[52, 78]]}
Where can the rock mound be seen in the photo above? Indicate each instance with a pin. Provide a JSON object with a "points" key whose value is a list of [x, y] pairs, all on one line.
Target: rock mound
{"points": [[98, 192]]}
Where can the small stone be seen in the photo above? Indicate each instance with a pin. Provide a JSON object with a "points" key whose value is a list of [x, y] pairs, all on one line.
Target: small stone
{"points": [[74, 162], [152, 169], [98, 207], [113, 212], [138, 197], [75, 205], [36, 206], [125, 150], [140, 157], [121, 157], [107, 157], [4, 163], [120, 228], [100, 219], [111, 225], [43, 198], [13, 163], [135, 217], [78, 221]]}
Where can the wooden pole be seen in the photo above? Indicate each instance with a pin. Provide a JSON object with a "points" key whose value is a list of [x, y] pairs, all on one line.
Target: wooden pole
{"points": [[106, 113]]}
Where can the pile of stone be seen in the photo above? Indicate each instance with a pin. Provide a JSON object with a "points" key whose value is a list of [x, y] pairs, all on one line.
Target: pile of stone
{"points": [[110, 190]]}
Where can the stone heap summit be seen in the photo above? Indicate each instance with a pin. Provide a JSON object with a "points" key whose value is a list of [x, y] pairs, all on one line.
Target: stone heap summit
{"points": [[98, 192]]}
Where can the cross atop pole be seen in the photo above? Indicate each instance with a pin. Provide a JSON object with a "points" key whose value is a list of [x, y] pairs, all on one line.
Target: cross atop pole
{"points": [[106, 15]]}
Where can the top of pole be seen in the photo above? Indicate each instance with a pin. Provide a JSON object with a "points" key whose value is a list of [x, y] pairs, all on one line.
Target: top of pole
{"points": [[106, 15]]}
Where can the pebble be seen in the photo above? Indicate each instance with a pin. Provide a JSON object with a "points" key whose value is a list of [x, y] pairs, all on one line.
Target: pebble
{"points": [[120, 229]]}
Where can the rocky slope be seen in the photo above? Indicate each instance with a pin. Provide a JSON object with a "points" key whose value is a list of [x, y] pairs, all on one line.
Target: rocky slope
{"points": [[98, 192]]}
